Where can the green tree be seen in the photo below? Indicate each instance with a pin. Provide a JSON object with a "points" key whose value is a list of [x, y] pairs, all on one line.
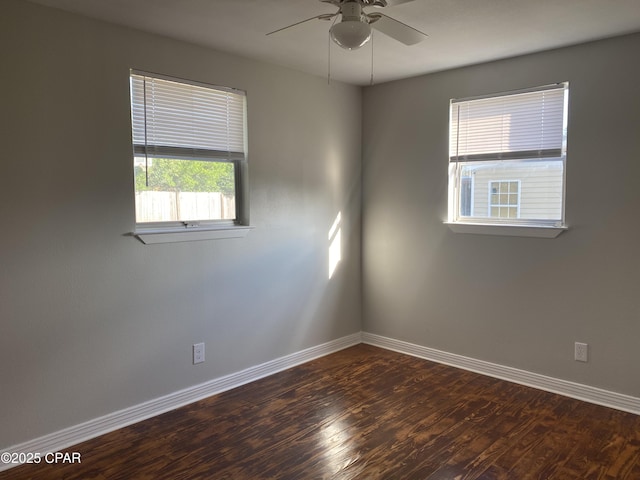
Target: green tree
{"points": [[170, 175]]}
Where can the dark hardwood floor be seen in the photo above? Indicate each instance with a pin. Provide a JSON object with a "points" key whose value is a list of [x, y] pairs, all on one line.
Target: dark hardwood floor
{"points": [[367, 413]]}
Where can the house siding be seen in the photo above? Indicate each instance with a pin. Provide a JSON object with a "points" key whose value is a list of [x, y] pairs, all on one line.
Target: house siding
{"points": [[540, 188]]}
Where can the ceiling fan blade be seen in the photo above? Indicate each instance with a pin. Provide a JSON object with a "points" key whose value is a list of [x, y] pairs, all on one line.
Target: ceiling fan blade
{"points": [[384, 3], [395, 29], [324, 16], [393, 3]]}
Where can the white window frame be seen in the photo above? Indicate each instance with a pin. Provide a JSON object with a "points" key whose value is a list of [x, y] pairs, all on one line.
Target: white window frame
{"points": [[490, 225], [206, 229]]}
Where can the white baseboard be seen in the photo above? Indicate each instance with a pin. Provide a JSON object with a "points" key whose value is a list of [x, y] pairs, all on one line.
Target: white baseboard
{"points": [[62, 439], [578, 391], [76, 434]]}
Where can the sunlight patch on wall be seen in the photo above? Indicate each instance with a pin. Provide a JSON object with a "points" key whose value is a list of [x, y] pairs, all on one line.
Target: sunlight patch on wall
{"points": [[335, 247]]}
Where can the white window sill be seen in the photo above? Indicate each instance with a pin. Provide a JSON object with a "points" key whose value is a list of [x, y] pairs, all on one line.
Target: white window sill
{"points": [[507, 230], [153, 236]]}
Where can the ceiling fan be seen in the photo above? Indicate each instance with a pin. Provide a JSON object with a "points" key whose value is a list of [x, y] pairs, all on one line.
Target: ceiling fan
{"points": [[354, 28]]}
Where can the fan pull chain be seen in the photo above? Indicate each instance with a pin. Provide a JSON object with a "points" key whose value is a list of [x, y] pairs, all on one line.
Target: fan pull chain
{"points": [[371, 81], [329, 61], [329, 48]]}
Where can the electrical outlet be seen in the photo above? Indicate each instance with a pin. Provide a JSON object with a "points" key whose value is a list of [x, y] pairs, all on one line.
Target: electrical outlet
{"points": [[581, 352], [198, 353]]}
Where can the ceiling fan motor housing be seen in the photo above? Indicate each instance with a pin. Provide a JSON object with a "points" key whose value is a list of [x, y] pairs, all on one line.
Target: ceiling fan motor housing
{"points": [[351, 11]]}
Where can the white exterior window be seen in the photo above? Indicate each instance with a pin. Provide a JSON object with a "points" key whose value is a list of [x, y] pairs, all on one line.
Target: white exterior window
{"points": [[507, 158], [504, 199], [189, 159]]}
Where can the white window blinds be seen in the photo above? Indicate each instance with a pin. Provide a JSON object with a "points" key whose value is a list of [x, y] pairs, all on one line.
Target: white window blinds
{"points": [[174, 119], [521, 125]]}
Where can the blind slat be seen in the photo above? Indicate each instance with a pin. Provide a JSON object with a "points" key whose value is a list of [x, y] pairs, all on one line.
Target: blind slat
{"points": [[520, 125], [169, 117]]}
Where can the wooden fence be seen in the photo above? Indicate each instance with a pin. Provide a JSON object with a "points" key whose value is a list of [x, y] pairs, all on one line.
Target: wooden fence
{"points": [[152, 206]]}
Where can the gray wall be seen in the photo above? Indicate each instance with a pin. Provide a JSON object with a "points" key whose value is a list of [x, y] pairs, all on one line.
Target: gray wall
{"points": [[520, 302], [93, 321]]}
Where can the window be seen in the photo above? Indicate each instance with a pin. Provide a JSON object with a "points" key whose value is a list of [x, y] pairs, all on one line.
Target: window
{"points": [[504, 199], [507, 158], [189, 154]]}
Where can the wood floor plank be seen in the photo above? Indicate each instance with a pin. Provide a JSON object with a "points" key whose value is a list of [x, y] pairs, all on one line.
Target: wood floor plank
{"points": [[367, 413]]}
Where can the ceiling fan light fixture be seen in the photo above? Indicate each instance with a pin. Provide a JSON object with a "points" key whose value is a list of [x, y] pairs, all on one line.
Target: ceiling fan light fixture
{"points": [[351, 34]]}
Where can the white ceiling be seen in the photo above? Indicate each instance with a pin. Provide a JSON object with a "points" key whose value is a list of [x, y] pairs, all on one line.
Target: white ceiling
{"points": [[461, 32]]}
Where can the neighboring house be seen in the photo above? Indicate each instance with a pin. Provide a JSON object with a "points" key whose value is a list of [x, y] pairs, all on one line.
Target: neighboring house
{"points": [[524, 189]]}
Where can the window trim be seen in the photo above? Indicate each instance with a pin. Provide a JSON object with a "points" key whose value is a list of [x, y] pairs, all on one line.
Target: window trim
{"points": [[511, 227], [166, 235], [179, 231], [506, 229]]}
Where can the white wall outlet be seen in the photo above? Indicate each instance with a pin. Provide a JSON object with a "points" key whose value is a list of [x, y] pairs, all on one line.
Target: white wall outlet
{"points": [[581, 352], [198, 353]]}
